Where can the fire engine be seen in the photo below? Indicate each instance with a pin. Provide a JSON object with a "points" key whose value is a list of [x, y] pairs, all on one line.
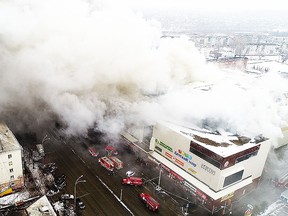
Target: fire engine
{"points": [[107, 163], [132, 181], [283, 181], [118, 164], [110, 150], [151, 203]]}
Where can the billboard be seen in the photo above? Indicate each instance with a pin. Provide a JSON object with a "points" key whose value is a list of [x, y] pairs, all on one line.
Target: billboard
{"points": [[178, 156]]}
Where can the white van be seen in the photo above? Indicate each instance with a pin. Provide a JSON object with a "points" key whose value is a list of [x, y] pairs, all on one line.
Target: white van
{"points": [[284, 196]]}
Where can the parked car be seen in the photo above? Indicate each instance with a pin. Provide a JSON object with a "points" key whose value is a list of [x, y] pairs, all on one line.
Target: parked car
{"points": [[130, 173], [40, 149], [67, 196], [61, 185], [132, 181], [50, 167], [79, 203], [60, 179], [93, 151], [52, 190]]}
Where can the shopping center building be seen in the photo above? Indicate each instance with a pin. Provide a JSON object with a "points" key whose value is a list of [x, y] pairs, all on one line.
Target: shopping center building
{"points": [[215, 168]]}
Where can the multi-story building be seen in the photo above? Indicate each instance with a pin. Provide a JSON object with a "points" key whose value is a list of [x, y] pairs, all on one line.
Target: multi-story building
{"points": [[11, 167], [216, 169]]}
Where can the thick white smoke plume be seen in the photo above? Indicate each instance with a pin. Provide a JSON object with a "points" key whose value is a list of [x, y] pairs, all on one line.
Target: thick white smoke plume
{"points": [[86, 63]]}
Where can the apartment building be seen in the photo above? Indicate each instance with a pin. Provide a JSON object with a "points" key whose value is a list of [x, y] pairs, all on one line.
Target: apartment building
{"points": [[11, 167]]}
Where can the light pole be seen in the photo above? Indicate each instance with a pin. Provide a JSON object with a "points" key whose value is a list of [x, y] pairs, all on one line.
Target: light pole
{"points": [[158, 187], [121, 193], [76, 182]]}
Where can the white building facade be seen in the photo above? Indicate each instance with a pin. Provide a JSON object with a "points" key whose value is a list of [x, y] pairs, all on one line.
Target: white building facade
{"points": [[11, 167], [215, 168]]}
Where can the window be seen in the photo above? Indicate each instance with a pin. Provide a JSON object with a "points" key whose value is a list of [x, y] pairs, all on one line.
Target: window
{"points": [[9, 156], [158, 149], [11, 170], [204, 157], [233, 178], [12, 177], [10, 163], [247, 156]]}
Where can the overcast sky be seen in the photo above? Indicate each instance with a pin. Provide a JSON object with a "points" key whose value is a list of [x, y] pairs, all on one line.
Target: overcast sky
{"points": [[219, 5]]}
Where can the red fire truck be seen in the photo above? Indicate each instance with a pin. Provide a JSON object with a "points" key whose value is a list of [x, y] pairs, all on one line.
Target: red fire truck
{"points": [[118, 164], [110, 150], [151, 203], [283, 181], [107, 163], [132, 181]]}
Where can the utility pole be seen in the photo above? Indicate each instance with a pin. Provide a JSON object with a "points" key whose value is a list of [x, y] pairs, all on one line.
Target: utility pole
{"points": [[121, 193], [158, 187], [76, 182]]}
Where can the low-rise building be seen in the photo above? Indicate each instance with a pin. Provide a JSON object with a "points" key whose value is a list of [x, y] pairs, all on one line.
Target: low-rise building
{"points": [[40, 207], [235, 62], [11, 167]]}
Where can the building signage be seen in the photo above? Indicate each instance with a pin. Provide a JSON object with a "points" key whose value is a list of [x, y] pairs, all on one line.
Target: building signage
{"points": [[175, 159], [168, 155], [185, 156], [208, 169], [201, 194], [179, 162], [163, 145], [192, 171], [190, 186]]}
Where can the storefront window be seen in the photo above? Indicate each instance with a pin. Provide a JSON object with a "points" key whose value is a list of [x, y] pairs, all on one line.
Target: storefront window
{"points": [[233, 178]]}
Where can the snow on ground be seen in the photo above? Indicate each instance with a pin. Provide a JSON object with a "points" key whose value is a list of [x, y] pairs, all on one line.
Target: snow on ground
{"points": [[14, 198], [278, 208], [267, 65]]}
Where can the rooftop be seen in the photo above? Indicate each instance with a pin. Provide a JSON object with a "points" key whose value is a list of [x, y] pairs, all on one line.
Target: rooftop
{"points": [[41, 207], [222, 143], [8, 142]]}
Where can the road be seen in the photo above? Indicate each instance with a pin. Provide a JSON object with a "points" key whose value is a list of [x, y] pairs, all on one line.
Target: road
{"points": [[98, 200], [101, 192], [73, 159]]}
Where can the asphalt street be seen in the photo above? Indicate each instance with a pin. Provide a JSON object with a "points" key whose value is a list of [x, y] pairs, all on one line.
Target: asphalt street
{"points": [[102, 191]]}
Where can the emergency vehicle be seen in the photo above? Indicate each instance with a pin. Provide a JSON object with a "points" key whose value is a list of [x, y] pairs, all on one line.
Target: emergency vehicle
{"points": [[118, 164], [132, 181], [283, 181], [106, 163], [110, 150], [151, 203]]}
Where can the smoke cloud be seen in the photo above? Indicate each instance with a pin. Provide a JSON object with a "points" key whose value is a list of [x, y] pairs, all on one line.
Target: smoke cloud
{"points": [[87, 63]]}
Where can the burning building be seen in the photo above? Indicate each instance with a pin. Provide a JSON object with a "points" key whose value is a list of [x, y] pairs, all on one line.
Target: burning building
{"points": [[11, 167], [216, 168]]}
